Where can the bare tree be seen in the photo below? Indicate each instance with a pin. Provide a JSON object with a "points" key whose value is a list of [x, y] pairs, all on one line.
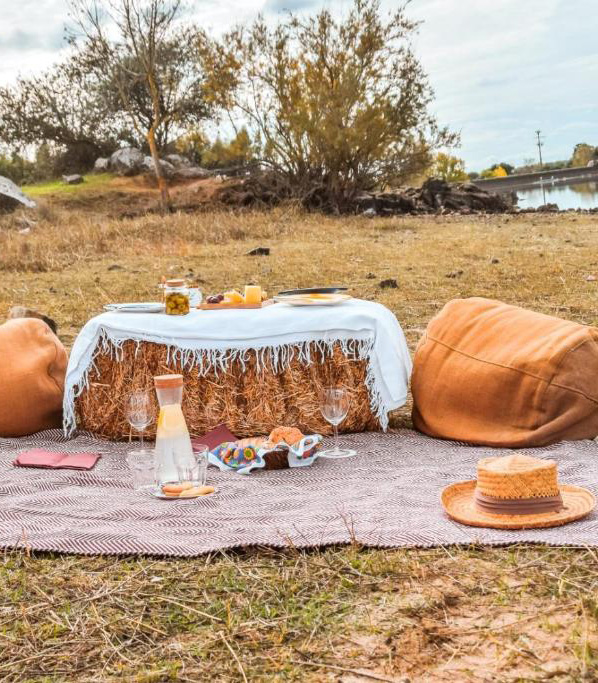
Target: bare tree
{"points": [[132, 43]]}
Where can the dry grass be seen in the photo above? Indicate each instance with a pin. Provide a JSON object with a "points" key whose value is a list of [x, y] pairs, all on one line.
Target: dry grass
{"points": [[343, 614]]}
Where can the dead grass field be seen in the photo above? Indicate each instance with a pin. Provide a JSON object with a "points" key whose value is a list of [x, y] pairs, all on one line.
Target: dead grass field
{"points": [[343, 614]]}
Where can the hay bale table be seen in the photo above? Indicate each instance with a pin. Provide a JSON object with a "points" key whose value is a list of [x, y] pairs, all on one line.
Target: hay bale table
{"points": [[249, 369]]}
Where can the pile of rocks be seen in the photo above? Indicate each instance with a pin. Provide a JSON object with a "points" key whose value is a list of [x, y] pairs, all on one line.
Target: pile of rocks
{"points": [[434, 196], [130, 161]]}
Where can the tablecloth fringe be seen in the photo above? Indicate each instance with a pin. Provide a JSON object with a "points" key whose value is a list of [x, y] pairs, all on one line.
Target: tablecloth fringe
{"points": [[278, 357]]}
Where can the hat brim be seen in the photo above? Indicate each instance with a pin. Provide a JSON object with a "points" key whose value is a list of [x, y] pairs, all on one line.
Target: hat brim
{"points": [[459, 503]]}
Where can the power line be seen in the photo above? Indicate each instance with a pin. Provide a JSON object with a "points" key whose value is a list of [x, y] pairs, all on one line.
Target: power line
{"points": [[540, 145]]}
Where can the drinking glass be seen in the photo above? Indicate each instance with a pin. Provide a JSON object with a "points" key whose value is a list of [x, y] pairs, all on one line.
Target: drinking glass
{"points": [[139, 411], [334, 407], [194, 469], [141, 465]]}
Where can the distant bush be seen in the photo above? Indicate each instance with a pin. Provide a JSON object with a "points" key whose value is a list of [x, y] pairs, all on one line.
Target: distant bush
{"points": [[218, 154], [49, 163], [237, 152], [583, 154], [496, 171], [16, 168], [529, 166], [449, 168]]}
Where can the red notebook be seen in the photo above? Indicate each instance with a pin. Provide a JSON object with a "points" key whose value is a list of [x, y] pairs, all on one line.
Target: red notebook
{"points": [[215, 437], [52, 460]]}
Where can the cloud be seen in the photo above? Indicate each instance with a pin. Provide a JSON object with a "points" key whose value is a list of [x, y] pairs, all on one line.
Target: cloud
{"points": [[274, 6], [32, 40]]}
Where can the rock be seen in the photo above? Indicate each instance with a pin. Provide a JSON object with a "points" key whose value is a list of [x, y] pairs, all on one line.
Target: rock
{"points": [[494, 261], [370, 276], [148, 166], [191, 173], [259, 251], [115, 266], [592, 163], [548, 208], [370, 213], [101, 165], [177, 160], [24, 312], [11, 196], [25, 223], [127, 161], [24, 231], [591, 278], [390, 283], [74, 179]]}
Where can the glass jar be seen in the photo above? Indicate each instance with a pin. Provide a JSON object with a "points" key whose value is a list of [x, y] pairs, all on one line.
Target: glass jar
{"points": [[176, 297]]}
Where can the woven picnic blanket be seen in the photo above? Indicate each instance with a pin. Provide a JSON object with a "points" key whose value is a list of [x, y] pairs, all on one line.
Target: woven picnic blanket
{"points": [[386, 496]]}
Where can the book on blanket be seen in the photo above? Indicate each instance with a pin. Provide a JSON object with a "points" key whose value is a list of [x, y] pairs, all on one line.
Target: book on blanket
{"points": [[215, 437], [37, 457]]}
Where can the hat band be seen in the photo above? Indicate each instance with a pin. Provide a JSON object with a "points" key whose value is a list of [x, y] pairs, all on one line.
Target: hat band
{"points": [[518, 506]]}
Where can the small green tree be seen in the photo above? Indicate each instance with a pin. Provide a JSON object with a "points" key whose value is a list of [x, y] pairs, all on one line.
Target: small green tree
{"points": [[449, 168], [237, 152], [495, 171], [340, 105], [583, 154]]}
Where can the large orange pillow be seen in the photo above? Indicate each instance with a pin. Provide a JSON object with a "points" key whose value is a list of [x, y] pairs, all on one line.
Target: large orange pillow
{"points": [[489, 373], [32, 371]]}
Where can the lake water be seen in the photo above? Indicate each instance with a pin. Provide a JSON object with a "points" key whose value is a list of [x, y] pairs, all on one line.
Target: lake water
{"points": [[575, 196]]}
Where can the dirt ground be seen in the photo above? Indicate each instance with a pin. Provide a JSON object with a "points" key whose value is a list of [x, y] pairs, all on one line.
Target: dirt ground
{"points": [[520, 613]]}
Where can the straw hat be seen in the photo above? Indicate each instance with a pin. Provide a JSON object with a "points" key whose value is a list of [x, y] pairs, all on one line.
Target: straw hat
{"points": [[516, 492]]}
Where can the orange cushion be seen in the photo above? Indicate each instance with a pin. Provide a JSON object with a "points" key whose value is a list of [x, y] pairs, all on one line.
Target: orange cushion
{"points": [[32, 371], [489, 373]]}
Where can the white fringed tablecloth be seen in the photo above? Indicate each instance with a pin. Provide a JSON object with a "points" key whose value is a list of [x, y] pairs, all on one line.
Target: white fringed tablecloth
{"points": [[279, 333]]}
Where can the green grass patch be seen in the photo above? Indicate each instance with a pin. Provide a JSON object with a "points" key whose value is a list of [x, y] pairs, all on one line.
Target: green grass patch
{"points": [[95, 181]]}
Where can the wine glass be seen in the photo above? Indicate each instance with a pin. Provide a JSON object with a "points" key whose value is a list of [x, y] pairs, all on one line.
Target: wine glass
{"points": [[334, 407], [139, 411]]}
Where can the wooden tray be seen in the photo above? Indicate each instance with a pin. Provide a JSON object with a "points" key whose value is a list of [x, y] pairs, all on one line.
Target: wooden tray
{"points": [[218, 307]]}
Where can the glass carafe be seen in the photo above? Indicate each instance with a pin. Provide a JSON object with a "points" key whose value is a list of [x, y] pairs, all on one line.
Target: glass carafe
{"points": [[173, 445]]}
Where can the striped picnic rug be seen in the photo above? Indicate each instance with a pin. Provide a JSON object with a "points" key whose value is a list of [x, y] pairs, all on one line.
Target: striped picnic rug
{"points": [[386, 496]]}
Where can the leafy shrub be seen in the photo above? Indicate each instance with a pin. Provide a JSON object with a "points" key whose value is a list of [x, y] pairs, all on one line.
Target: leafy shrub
{"points": [[339, 106], [449, 168]]}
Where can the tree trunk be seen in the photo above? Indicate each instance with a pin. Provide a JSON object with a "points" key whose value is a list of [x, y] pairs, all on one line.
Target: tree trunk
{"points": [[165, 202]]}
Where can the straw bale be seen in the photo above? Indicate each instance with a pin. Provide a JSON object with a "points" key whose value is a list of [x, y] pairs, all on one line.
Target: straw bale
{"points": [[250, 402]]}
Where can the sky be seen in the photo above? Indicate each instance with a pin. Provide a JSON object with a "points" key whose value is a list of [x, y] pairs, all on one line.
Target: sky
{"points": [[501, 69]]}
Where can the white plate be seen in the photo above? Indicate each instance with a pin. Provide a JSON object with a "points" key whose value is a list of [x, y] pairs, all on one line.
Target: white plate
{"points": [[141, 307], [157, 493], [330, 300]]}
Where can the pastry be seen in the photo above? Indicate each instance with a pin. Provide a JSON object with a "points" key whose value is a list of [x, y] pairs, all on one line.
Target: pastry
{"points": [[290, 435]]}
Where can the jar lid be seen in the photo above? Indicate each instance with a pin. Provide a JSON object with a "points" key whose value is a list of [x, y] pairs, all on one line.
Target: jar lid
{"points": [[175, 283], [168, 381]]}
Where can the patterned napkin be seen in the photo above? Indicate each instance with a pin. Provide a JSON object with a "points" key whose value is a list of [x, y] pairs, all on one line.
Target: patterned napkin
{"points": [[53, 460]]}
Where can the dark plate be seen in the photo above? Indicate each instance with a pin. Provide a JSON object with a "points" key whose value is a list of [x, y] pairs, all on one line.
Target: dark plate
{"points": [[314, 290]]}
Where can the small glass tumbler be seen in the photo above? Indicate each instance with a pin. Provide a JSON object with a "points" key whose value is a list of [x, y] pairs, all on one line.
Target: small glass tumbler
{"points": [[195, 470], [141, 464]]}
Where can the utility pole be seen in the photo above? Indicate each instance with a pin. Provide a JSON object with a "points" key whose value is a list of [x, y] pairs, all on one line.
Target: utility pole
{"points": [[540, 144]]}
